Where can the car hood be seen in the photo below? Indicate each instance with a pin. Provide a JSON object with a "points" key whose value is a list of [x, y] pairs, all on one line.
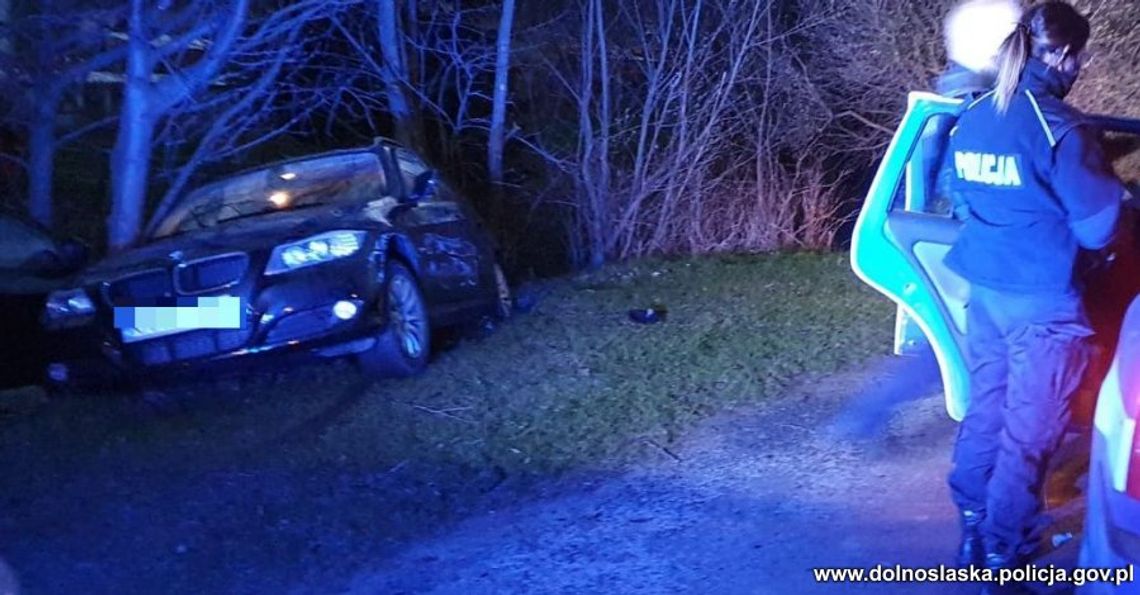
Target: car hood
{"points": [[242, 235]]}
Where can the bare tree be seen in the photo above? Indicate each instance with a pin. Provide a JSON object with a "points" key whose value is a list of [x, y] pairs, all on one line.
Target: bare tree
{"points": [[50, 52], [654, 151], [499, 102], [661, 126], [147, 97], [217, 59], [394, 71], [860, 62], [453, 65], [277, 76], [5, 17]]}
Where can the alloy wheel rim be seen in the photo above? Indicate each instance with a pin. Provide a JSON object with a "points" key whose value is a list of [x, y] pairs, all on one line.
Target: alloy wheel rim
{"points": [[407, 317]]}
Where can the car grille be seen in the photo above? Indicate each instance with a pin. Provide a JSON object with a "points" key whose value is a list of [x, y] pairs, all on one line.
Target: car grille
{"points": [[191, 278], [210, 274], [187, 346]]}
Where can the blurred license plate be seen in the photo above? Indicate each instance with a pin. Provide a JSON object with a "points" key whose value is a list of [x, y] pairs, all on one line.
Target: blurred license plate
{"points": [[147, 322]]}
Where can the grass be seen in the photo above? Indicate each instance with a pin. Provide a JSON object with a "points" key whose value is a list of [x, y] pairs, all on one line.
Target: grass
{"points": [[305, 477], [572, 383]]}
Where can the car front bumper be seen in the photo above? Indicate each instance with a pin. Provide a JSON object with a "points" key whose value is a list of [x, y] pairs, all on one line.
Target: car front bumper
{"points": [[325, 310]]}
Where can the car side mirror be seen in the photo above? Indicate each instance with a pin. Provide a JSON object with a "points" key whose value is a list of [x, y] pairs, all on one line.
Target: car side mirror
{"points": [[424, 186]]}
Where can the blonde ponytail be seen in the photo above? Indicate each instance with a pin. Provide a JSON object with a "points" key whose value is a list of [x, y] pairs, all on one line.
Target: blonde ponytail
{"points": [[1012, 58]]}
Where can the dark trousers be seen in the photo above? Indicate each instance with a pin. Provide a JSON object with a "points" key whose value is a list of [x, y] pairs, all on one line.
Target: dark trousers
{"points": [[1027, 354]]}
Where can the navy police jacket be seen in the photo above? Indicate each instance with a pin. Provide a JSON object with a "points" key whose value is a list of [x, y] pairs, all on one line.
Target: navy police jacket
{"points": [[1037, 187]]}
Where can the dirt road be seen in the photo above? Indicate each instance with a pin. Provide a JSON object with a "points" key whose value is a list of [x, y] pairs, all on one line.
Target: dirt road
{"points": [[749, 503]]}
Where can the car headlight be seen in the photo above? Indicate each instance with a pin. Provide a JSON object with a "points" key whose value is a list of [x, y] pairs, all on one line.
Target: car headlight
{"points": [[317, 249], [68, 304]]}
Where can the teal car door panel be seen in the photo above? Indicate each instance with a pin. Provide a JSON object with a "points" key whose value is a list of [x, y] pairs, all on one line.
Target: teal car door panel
{"points": [[904, 229]]}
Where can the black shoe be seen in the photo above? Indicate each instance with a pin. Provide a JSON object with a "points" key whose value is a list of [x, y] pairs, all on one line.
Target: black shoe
{"points": [[971, 551], [997, 561]]}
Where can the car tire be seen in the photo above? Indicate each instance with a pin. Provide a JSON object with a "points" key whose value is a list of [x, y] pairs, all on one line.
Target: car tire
{"points": [[504, 301], [404, 344]]}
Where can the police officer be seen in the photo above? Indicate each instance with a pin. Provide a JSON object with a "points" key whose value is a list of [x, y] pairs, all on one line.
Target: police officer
{"points": [[1038, 189], [973, 33]]}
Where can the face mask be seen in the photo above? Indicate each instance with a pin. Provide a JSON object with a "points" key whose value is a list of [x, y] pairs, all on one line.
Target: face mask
{"points": [[1065, 71], [1067, 79]]}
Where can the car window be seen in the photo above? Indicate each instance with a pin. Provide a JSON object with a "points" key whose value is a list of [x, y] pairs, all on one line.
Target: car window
{"points": [[325, 180], [20, 242], [923, 188], [411, 166]]}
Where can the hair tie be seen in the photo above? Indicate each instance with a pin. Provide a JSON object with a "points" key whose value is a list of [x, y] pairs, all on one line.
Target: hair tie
{"points": [[1021, 26]]}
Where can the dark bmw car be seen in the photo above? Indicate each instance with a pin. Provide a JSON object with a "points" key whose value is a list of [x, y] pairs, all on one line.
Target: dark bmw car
{"points": [[359, 252]]}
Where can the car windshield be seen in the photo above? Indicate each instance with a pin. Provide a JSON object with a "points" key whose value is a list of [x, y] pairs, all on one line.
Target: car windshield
{"points": [[342, 178]]}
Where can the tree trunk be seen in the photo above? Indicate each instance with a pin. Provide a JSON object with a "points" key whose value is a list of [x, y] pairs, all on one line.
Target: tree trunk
{"points": [[41, 158], [130, 159], [130, 169], [413, 56], [604, 230], [5, 17], [499, 105], [394, 72], [587, 203]]}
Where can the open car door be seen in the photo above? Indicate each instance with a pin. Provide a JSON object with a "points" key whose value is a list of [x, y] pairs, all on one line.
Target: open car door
{"points": [[903, 232], [906, 227]]}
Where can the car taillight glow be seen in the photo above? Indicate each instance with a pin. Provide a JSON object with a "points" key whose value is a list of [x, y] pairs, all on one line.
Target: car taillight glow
{"points": [[1132, 485], [1128, 363]]}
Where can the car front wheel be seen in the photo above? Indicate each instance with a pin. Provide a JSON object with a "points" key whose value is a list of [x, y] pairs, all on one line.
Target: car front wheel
{"points": [[403, 346]]}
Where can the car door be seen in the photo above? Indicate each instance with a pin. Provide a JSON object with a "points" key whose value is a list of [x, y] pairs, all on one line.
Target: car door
{"points": [[904, 230], [1113, 282], [906, 227], [450, 262]]}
